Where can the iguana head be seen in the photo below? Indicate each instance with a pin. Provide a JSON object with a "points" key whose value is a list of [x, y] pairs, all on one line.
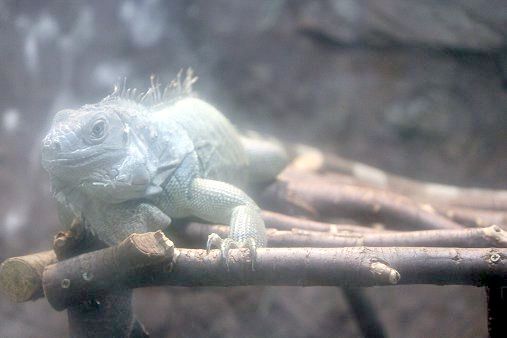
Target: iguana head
{"points": [[95, 149], [110, 150]]}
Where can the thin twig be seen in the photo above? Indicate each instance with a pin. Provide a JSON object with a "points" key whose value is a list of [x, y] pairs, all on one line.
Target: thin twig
{"points": [[284, 222], [492, 236]]}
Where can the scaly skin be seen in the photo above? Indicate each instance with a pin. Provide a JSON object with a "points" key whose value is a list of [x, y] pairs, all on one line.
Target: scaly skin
{"points": [[126, 167]]}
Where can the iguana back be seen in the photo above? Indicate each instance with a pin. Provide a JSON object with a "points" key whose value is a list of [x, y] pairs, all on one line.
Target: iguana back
{"points": [[219, 149]]}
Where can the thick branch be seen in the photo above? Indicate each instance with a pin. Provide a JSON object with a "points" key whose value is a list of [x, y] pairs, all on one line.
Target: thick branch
{"points": [[12, 272], [469, 216], [422, 191], [313, 196], [474, 214], [106, 315], [364, 312], [110, 264], [492, 236], [20, 277], [67, 282]]}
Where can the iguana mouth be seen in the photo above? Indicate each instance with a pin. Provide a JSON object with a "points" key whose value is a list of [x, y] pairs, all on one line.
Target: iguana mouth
{"points": [[74, 158], [82, 158]]}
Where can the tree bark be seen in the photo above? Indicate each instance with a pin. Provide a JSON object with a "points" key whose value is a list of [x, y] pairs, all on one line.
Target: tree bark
{"points": [[284, 222], [107, 314], [99, 272], [29, 268], [20, 277], [439, 194], [364, 312], [315, 197], [492, 236]]}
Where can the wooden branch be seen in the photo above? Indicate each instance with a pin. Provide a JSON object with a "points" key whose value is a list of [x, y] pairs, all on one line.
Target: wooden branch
{"points": [[474, 217], [283, 222], [309, 195], [18, 269], [469, 216], [492, 236], [364, 313], [438, 194], [497, 308], [105, 315], [108, 266], [158, 263], [473, 212], [20, 277], [109, 314]]}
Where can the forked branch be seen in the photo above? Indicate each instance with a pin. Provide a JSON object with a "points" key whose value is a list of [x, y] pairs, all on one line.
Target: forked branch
{"points": [[151, 260]]}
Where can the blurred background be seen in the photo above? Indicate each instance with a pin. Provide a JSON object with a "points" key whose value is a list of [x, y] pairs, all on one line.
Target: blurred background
{"points": [[418, 88]]}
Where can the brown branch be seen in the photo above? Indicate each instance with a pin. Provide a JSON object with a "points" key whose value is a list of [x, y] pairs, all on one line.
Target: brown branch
{"points": [[20, 277], [18, 269], [364, 313], [110, 264], [462, 215], [98, 272], [314, 196], [283, 222], [360, 175], [427, 192], [474, 217], [109, 314], [492, 236]]}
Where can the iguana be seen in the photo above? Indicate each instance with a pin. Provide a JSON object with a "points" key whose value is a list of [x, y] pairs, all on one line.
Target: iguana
{"points": [[130, 163]]}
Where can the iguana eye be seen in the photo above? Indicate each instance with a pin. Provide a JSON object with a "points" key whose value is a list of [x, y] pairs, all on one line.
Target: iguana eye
{"points": [[98, 129]]}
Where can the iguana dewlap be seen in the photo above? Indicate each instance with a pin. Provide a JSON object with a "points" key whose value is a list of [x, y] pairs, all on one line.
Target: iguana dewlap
{"points": [[128, 167]]}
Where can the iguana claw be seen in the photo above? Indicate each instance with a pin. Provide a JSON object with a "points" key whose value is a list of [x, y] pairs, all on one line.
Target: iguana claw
{"points": [[227, 244]]}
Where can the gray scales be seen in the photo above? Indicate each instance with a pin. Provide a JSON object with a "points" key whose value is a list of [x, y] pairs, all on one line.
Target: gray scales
{"points": [[132, 162]]}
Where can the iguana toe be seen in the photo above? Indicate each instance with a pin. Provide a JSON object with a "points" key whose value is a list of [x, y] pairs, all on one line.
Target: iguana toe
{"points": [[214, 241], [226, 244]]}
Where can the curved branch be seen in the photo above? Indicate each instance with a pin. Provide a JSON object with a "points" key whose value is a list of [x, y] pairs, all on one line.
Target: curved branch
{"points": [[427, 192], [315, 196], [70, 281]]}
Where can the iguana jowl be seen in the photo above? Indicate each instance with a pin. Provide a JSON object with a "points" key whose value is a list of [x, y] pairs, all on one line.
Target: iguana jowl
{"points": [[126, 166]]}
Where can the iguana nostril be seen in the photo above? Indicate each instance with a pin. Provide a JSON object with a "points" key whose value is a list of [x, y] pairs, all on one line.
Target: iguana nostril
{"points": [[50, 145]]}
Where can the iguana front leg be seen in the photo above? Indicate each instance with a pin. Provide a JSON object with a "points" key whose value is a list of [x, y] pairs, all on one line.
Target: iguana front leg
{"points": [[221, 202], [115, 222]]}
